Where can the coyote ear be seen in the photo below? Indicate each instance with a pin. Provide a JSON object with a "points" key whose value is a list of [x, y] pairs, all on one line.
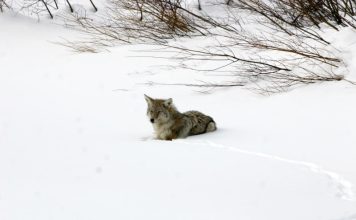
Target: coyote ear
{"points": [[168, 102], [148, 99]]}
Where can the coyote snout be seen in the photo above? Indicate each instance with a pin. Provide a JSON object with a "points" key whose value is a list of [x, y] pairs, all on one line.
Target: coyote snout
{"points": [[168, 123]]}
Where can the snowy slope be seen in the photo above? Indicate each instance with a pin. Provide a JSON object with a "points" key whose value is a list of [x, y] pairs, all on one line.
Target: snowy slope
{"points": [[75, 142]]}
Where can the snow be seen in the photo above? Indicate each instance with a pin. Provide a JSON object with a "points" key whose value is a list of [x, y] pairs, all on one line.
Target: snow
{"points": [[75, 142]]}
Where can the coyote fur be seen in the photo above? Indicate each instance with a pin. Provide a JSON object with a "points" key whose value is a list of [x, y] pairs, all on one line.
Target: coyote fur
{"points": [[168, 123]]}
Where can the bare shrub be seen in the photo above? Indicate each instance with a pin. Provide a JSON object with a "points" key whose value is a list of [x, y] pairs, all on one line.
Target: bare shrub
{"points": [[138, 21], [37, 8], [3, 4], [303, 13], [165, 12], [300, 52]]}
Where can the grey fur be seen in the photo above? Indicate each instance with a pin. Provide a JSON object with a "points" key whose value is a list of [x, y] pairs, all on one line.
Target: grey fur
{"points": [[168, 123]]}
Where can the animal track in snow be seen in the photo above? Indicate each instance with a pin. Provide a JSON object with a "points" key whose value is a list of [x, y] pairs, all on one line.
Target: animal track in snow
{"points": [[344, 187]]}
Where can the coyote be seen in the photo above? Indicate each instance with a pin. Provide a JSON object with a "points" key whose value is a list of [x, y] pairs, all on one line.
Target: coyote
{"points": [[168, 123]]}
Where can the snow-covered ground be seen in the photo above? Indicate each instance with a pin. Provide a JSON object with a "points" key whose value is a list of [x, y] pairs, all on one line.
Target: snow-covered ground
{"points": [[75, 142]]}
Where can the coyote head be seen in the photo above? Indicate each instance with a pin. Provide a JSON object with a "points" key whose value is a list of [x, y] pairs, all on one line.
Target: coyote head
{"points": [[159, 110]]}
